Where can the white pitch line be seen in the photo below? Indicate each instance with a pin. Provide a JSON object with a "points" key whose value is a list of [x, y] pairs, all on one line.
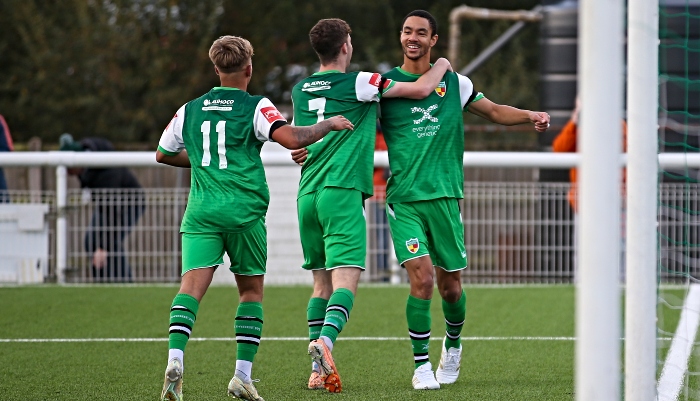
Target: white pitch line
{"points": [[676, 364], [162, 339]]}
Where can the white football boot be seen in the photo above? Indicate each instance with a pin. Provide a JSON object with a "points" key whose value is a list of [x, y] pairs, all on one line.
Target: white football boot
{"points": [[172, 385], [424, 379], [450, 361], [237, 388]]}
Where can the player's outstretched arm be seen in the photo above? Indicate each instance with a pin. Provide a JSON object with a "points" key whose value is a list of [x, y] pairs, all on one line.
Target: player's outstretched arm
{"points": [[424, 86], [508, 115], [178, 160], [298, 137]]}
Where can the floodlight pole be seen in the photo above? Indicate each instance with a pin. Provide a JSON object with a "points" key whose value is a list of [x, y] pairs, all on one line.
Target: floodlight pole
{"points": [[598, 326], [642, 176]]}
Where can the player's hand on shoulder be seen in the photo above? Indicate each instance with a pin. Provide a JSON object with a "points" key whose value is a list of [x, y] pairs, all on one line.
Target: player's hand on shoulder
{"points": [[540, 119], [299, 156], [443, 60], [339, 123]]}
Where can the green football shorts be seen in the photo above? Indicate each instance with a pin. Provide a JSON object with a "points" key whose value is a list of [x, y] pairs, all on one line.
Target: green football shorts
{"points": [[433, 227], [332, 228], [247, 250]]}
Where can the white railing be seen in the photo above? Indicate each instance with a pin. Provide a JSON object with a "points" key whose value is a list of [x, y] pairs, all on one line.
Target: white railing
{"points": [[381, 159], [63, 160], [471, 159]]}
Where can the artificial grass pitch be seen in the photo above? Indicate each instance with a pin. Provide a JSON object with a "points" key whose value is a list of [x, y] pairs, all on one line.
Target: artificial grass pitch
{"points": [[517, 345]]}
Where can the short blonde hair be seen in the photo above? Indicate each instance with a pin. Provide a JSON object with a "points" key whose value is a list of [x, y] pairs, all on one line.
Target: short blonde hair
{"points": [[230, 53]]}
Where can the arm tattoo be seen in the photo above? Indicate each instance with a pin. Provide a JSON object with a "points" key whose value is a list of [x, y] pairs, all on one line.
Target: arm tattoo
{"points": [[308, 135]]}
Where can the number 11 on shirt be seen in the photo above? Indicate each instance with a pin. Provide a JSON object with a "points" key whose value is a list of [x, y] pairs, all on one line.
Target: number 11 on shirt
{"points": [[220, 143]]}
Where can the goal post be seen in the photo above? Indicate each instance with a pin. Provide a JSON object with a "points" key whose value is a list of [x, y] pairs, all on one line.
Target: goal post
{"points": [[598, 314], [642, 181]]}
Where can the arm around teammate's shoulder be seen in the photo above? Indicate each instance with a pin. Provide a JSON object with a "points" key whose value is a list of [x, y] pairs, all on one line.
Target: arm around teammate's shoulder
{"points": [[424, 86], [292, 137]]}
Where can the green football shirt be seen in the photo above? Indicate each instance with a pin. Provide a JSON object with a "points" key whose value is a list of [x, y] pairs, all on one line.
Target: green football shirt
{"points": [[223, 133], [425, 139], [345, 158]]}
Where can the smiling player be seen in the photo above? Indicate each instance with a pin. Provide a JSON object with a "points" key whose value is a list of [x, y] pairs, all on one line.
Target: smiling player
{"points": [[425, 140]]}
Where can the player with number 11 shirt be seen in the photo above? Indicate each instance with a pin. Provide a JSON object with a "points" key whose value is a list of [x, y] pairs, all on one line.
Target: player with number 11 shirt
{"points": [[335, 180], [219, 136]]}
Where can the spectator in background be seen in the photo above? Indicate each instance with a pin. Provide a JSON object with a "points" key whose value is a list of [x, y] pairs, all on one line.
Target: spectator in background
{"points": [[5, 146], [381, 174], [566, 141], [117, 205]]}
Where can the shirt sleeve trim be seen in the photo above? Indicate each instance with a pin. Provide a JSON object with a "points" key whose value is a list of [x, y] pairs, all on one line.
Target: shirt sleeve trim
{"points": [[166, 152], [387, 85], [277, 124], [477, 97]]}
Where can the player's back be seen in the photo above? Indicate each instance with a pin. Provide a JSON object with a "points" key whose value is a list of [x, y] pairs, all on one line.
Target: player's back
{"points": [[228, 189], [342, 158]]}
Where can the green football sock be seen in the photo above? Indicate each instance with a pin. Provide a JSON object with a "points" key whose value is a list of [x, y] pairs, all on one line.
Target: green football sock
{"points": [[248, 327], [418, 317], [315, 314], [183, 313], [337, 313], [455, 314]]}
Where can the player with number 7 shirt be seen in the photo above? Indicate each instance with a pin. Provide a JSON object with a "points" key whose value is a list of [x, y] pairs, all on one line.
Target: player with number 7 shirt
{"points": [[219, 136], [336, 179]]}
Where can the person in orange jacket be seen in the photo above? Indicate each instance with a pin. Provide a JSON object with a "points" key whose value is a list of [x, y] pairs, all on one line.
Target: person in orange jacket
{"points": [[382, 225], [566, 141]]}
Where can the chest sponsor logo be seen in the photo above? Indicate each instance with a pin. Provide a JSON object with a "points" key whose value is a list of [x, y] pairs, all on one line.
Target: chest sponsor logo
{"points": [[271, 114], [218, 104], [316, 86], [425, 114], [441, 89], [413, 245], [425, 129]]}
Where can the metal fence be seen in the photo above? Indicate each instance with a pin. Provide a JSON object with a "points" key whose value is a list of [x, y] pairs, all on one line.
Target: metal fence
{"points": [[514, 233], [518, 233], [679, 232], [138, 229]]}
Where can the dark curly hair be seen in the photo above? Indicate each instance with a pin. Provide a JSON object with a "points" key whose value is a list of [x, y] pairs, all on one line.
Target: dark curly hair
{"points": [[327, 37]]}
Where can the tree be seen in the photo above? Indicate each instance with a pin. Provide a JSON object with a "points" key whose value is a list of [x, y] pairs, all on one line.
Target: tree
{"points": [[120, 68], [107, 68]]}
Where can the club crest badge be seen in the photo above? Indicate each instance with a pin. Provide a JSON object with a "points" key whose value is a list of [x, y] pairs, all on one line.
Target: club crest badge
{"points": [[413, 245], [441, 89]]}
